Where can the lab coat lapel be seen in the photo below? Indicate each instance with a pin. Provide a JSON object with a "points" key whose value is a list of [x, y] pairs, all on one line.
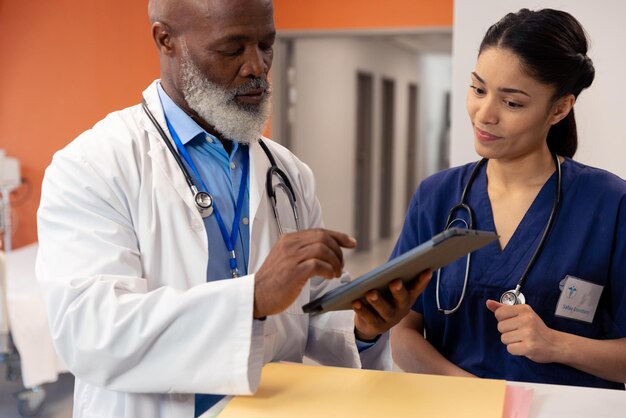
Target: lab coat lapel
{"points": [[262, 233], [159, 153]]}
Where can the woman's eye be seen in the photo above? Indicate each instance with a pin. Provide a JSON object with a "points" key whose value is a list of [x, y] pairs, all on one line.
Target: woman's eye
{"points": [[512, 105], [477, 90]]}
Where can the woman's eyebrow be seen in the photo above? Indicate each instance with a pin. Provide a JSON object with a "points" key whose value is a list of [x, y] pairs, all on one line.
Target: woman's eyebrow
{"points": [[502, 89]]}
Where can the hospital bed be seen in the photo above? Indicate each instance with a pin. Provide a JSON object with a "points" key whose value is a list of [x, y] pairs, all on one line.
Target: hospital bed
{"points": [[25, 341]]}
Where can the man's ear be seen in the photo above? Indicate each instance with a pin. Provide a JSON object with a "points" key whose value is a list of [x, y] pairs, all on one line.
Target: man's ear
{"points": [[162, 36], [561, 108]]}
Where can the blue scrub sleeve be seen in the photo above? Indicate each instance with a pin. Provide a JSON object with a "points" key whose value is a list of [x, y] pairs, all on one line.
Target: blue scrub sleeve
{"points": [[617, 295], [418, 306]]}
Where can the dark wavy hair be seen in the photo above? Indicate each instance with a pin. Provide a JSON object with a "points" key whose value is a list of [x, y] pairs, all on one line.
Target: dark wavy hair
{"points": [[552, 46]]}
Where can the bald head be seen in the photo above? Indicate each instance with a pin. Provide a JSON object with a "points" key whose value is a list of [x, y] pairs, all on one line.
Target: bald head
{"points": [[180, 13], [176, 13]]}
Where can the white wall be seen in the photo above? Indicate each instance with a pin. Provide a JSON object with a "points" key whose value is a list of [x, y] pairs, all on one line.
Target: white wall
{"points": [[600, 111], [436, 71], [325, 125]]}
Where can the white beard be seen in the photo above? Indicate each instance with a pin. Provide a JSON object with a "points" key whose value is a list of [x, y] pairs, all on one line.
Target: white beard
{"points": [[217, 106]]}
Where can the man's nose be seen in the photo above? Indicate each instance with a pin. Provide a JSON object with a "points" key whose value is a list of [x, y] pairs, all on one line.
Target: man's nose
{"points": [[256, 63]]}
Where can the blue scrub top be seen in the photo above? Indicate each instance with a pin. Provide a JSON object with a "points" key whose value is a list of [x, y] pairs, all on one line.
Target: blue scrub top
{"points": [[588, 241]]}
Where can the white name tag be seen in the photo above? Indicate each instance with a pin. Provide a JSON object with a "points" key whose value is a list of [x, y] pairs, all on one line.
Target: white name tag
{"points": [[579, 299]]}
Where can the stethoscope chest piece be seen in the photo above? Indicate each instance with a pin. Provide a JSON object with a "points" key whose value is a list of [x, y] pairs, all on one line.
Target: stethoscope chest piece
{"points": [[204, 202], [512, 297]]}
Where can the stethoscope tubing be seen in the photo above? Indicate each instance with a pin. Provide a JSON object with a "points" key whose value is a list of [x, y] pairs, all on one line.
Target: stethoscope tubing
{"points": [[274, 170]]}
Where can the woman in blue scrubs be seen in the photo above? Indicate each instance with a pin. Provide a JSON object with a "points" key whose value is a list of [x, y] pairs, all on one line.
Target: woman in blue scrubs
{"points": [[571, 330]]}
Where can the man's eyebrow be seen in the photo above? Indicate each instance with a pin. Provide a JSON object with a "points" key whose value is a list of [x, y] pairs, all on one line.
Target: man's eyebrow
{"points": [[233, 38], [502, 89], [243, 38]]}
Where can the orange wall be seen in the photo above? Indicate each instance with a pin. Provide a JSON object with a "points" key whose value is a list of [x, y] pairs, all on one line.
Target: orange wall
{"points": [[361, 14], [67, 63]]}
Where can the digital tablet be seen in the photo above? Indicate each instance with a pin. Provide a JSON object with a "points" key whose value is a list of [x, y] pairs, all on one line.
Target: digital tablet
{"points": [[440, 250]]}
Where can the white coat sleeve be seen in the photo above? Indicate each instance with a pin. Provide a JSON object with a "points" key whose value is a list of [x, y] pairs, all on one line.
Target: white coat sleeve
{"points": [[331, 339], [108, 327]]}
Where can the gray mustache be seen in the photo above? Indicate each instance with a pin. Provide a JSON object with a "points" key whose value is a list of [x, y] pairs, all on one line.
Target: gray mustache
{"points": [[253, 84]]}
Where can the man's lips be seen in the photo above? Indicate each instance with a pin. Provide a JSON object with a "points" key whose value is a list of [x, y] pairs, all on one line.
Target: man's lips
{"points": [[254, 96]]}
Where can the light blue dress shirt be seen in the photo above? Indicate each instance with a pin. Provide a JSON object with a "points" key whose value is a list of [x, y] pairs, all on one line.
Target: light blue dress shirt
{"points": [[221, 174]]}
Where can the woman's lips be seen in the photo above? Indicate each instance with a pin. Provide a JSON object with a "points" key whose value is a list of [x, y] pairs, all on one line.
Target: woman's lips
{"points": [[485, 136]]}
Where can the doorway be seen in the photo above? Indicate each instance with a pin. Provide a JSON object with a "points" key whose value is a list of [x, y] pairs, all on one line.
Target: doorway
{"points": [[386, 157], [363, 153]]}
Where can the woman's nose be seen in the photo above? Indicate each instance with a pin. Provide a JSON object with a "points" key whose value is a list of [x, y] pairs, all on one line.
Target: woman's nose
{"points": [[486, 111]]}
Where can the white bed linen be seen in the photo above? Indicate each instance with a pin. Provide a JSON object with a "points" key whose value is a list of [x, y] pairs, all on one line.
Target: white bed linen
{"points": [[28, 321]]}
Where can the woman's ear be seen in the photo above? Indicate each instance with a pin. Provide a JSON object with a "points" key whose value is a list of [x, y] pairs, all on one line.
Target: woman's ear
{"points": [[561, 108]]}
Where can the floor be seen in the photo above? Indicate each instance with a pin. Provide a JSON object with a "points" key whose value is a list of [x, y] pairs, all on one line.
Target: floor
{"points": [[58, 402]]}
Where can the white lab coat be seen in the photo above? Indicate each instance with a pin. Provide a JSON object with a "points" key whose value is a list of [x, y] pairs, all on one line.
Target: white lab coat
{"points": [[122, 263]]}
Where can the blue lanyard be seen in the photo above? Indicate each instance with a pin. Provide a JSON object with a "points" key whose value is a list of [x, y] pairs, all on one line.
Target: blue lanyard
{"points": [[231, 240]]}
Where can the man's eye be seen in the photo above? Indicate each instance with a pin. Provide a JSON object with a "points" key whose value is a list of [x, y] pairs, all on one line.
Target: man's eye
{"points": [[232, 51]]}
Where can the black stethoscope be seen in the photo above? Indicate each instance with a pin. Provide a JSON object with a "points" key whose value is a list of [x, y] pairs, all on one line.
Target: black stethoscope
{"points": [[204, 201], [283, 184], [514, 296]]}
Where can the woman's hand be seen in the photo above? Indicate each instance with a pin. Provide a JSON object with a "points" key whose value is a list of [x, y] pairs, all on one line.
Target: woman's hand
{"points": [[524, 333]]}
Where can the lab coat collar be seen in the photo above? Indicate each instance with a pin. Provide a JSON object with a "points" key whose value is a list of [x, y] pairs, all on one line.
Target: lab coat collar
{"points": [[260, 233], [151, 96]]}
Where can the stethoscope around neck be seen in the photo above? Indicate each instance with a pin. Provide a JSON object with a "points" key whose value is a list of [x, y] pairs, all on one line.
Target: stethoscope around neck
{"points": [[204, 201], [513, 296]]}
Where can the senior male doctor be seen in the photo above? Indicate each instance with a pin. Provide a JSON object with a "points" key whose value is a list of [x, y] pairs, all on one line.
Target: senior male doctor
{"points": [[159, 305]]}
